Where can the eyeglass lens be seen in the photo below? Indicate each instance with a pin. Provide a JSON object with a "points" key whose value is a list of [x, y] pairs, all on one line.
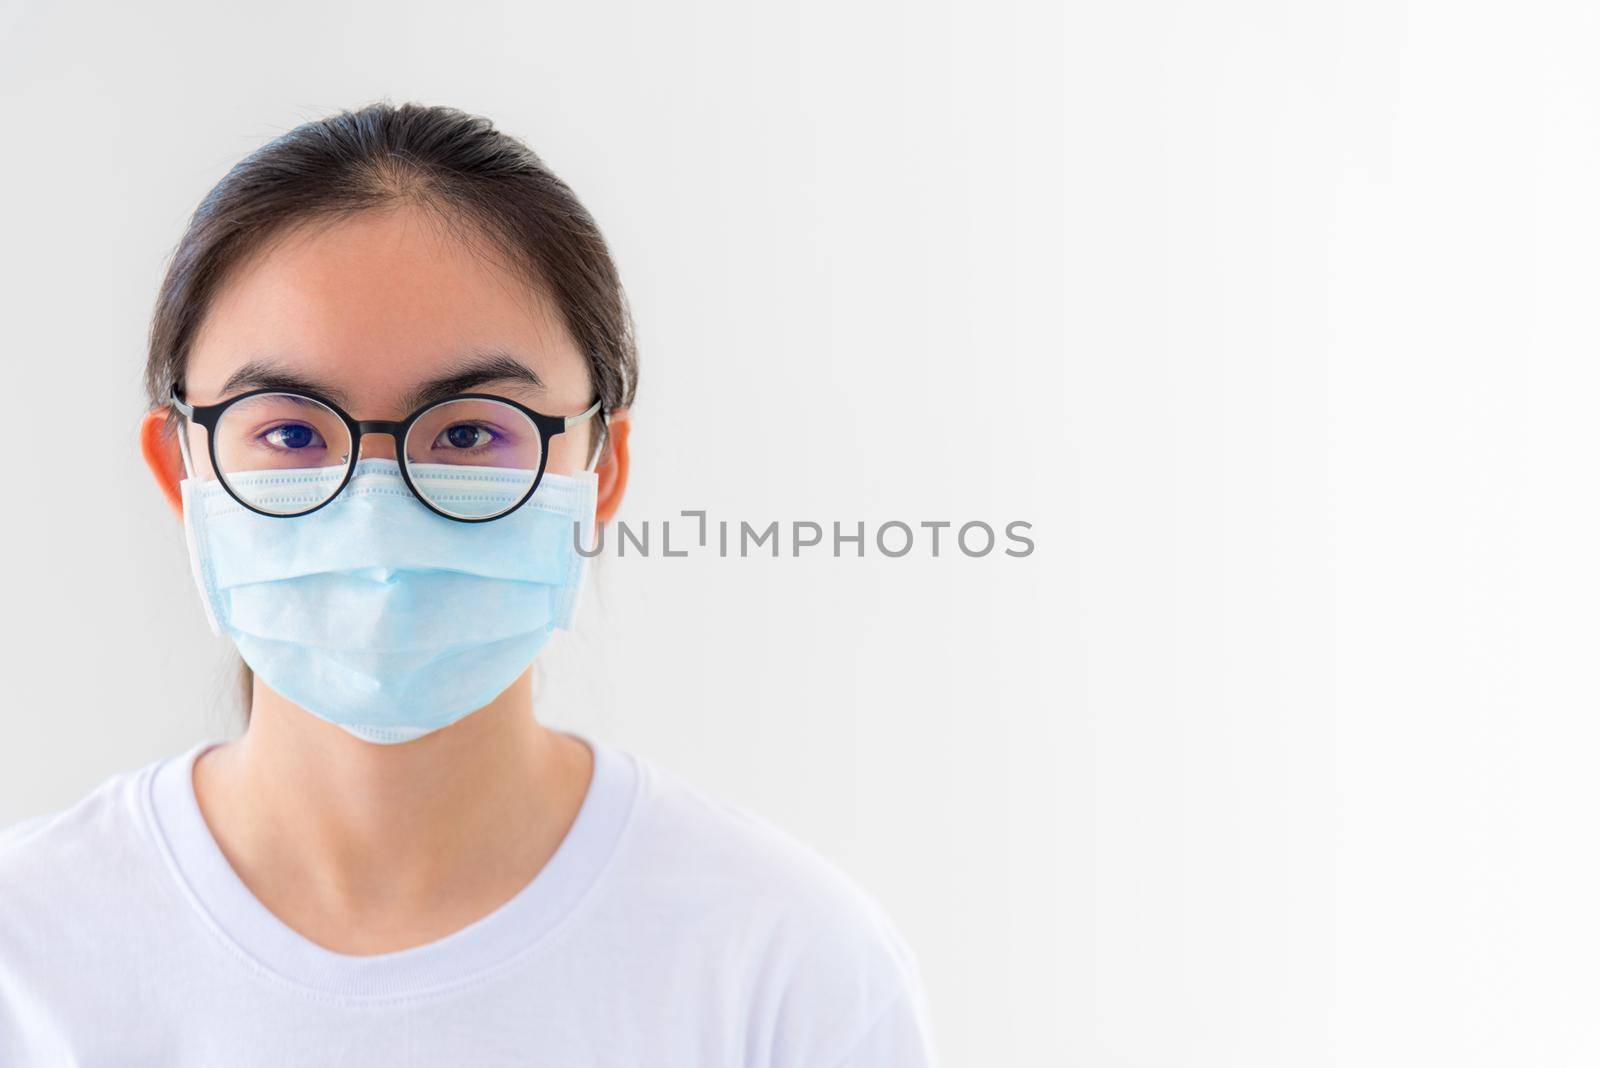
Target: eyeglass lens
{"points": [[285, 454], [473, 458]]}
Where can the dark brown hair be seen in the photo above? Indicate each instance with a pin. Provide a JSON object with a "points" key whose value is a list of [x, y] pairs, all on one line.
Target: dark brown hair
{"points": [[487, 186]]}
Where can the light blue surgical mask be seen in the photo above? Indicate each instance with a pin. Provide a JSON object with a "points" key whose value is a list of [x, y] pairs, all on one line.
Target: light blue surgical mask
{"points": [[375, 613]]}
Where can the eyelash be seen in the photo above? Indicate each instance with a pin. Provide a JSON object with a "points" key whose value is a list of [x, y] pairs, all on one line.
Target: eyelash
{"points": [[494, 437], [266, 434]]}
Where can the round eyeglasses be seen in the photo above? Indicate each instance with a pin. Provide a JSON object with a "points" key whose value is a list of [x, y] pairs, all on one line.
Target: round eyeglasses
{"points": [[471, 457]]}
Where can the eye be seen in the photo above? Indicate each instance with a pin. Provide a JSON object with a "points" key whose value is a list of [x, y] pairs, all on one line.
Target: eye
{"points": [[292, 436], [463, 436]]}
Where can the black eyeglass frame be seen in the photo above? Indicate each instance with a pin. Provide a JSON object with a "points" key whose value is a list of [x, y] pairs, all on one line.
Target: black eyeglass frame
{"points": [[548, 426]]}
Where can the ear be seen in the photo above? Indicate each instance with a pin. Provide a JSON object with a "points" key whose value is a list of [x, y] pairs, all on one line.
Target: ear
{"points": [[613, 467], [159, 445]]}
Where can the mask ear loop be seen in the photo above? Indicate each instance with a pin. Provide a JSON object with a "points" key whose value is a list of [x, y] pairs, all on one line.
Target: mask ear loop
{"points": [[182, 427], [600, 440]]}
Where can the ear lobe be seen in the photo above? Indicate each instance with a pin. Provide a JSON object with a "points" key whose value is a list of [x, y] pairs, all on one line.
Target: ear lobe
{"points": [[161, 455], [613, 469]]}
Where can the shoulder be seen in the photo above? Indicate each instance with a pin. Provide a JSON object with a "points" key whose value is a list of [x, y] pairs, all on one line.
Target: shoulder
{"points": [[50, 863], [829, 969], [714, 848]]}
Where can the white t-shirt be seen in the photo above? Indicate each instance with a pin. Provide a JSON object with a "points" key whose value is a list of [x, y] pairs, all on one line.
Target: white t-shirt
{"points": [[667, 929]]}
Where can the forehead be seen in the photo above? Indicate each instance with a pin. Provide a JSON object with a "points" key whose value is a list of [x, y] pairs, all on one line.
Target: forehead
{"points": [[373, 305]]}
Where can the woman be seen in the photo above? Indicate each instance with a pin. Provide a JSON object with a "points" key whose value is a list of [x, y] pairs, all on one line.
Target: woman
{"points": [[389, 373]]}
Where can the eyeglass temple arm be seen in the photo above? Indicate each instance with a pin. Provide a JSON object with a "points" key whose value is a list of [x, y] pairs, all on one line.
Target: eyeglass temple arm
{"points": [[573, 420]]}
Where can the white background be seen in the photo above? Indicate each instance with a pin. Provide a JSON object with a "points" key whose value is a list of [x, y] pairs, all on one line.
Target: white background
{"points": [[1277, 322]]}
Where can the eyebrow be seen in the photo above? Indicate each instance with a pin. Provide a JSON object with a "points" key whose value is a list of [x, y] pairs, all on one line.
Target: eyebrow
{"points": [[478, 367]]}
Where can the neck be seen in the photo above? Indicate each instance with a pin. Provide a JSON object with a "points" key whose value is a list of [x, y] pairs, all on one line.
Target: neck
{"points": [[368, 848]]}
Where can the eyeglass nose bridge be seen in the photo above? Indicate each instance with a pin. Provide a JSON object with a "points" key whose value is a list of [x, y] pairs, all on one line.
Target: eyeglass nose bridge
{"points": [[380, 426], [394, 430]]}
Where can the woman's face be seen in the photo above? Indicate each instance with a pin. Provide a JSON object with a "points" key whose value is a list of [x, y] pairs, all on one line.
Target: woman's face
{"points": [[373, 311]]}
